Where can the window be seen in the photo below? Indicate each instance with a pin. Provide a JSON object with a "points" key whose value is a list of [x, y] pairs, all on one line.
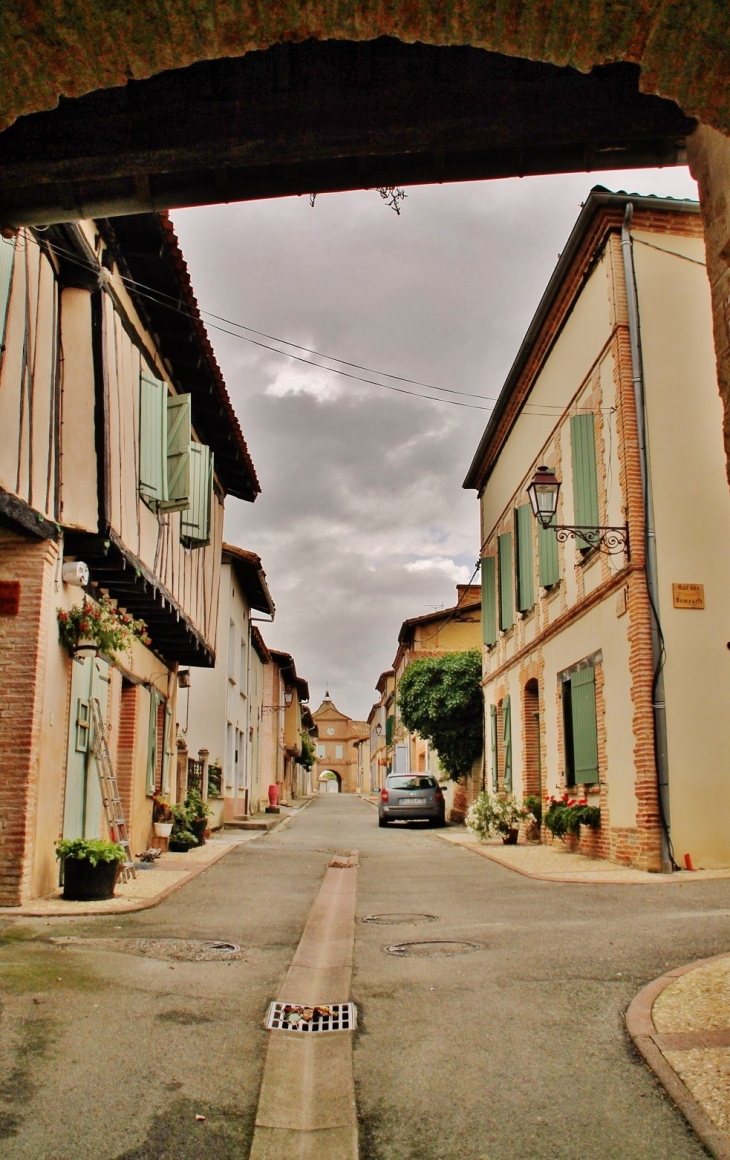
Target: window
{"points": [[242, 667], [339, 752], [507, 742], [585, 476], [178, 454], [504, 553], [321, 750], [388, 730], [232, 653], [489, 600], [523, 564], [164, 445], [580, 727], [7, 256], [230, 756], [152, 743], [195, 522], [494, 733]]}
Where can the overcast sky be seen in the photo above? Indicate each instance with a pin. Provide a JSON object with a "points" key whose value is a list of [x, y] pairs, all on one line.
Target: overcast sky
{"points": [[362, 520]]}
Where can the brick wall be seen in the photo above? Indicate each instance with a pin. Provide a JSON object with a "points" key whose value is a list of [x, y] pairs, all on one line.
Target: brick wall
{"points": [[23, 645]]}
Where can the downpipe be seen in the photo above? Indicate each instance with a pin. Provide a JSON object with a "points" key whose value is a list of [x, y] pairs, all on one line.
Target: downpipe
{"points": [[651, 571]]}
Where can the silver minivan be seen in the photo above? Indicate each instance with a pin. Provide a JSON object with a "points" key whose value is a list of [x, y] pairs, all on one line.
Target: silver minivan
{"points": [[411, 796]]}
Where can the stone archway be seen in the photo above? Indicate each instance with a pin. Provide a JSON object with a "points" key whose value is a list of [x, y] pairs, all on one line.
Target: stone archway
{"points": [[329, 778]]}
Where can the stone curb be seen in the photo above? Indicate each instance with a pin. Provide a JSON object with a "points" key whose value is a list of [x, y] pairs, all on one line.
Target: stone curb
{"points": [[31, 911], [640, 1026], [602, 878]]}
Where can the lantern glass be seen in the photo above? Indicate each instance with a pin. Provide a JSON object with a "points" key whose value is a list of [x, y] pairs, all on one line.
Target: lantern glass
{"points": [[543, 492]]}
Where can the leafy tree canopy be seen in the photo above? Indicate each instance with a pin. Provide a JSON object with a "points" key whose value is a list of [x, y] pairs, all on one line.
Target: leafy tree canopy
{"points": [[441, 699], [309, 753]]}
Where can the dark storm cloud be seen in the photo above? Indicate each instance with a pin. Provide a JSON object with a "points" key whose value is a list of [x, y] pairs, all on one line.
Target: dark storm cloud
{"points": [[362, 520]]}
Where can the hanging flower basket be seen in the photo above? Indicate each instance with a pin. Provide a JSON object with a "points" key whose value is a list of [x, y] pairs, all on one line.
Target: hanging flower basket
{"points": [[98, 626]]}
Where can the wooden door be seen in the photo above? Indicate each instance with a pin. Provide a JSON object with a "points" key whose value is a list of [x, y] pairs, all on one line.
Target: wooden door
{"points": [[82, 814]]}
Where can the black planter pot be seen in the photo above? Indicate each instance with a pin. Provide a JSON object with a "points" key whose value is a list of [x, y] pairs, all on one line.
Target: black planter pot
{"points": [[199, 828], [177, 847], [83, 882]]}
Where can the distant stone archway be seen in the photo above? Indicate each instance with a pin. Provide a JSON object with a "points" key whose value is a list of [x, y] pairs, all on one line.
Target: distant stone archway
{"points": [[326, 782]]}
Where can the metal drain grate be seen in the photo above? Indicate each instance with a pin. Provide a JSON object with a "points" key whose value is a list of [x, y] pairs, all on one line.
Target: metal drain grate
{"points": [[399, 919], [433, 949], [300, 1017]]}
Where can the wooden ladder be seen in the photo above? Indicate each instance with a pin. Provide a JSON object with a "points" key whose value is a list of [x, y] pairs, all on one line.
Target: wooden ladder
{"points": [[110, 790]]}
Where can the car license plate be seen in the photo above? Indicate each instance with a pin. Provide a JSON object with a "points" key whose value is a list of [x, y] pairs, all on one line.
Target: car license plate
{"points": [[411, 801]]}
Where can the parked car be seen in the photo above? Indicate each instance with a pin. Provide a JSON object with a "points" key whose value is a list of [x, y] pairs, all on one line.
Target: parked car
{"points": [[411, 796]]}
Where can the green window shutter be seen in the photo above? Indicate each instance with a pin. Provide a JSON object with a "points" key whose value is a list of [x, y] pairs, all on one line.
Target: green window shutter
{"points": [[167, 751], [195, 521], [152, 439], [388, 730], [7, 256], [506, 598], [585, 729], [523, 539], [547, 556], [152, 743], [489, 600], [507, 742], [585, 475], [493, 738], [178, 454]]}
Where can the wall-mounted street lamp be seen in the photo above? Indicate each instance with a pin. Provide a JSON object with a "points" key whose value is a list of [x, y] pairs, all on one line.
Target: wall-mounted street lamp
{"points": [[543, 492], [379, 729], [288, 697]]}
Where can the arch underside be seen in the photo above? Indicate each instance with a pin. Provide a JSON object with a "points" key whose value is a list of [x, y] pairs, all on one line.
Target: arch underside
{"points": [[214, 102]]}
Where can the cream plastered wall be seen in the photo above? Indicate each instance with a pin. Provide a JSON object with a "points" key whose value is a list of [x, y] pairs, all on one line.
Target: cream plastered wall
{"points": [[599, 630], [456, 636], [581, 341], [209, 689], [79, 508], [692, 511], [53, 741]]}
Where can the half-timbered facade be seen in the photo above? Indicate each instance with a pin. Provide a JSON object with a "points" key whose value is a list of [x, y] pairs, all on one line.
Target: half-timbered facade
{"points": [[119, 445]]}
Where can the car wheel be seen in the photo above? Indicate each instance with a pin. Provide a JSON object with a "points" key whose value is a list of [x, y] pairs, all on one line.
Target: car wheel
{"points": [[382, 822]]}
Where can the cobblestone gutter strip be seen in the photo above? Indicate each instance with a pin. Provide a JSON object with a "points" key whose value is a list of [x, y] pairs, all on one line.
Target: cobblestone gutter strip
{"points": [[664, 1050]]}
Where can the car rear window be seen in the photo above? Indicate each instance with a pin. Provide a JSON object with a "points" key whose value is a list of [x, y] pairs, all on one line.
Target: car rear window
{"points": [[411, 783]]}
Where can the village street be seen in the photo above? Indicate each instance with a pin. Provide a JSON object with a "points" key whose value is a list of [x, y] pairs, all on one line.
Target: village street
{"points": [[516, 1050]]}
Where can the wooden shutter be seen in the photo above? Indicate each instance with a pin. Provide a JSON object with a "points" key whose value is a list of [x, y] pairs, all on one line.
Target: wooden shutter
{"points": [[7, 256], [167, 750], [195, 522], [585, 476], [507, 742], [493, 737], [524, 571], [489, 600], [178, 454], [547, 556], [152, 439], [585, 729], [152, 744], [506, 598], [388, 730]]}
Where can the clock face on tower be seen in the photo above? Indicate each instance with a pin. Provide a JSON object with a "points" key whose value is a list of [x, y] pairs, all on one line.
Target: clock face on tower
{"points": [[331, 731]]}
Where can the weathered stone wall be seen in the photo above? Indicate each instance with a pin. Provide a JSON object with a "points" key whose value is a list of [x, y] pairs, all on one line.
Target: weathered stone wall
{"points": [[47, 49]]}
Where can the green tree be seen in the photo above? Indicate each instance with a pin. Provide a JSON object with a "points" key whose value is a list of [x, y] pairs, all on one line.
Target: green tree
{"points": [[441, 699], [309, 753]]}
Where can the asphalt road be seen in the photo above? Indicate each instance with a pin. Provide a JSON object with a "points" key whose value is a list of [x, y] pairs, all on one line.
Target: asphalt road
{"points": [[512, 1052]]}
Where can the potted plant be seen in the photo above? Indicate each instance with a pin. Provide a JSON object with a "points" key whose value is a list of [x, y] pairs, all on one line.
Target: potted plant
{"points": [[565, 815], [500, 815], [533, 804], [197, 813], [90, 868], [99, 625], [181, 837], [161, 816]]}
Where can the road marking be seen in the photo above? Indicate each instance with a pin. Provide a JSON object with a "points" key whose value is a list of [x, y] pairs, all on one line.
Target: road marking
{"points": [[306, 1108]]}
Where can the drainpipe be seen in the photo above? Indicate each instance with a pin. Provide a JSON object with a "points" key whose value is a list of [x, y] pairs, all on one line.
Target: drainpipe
{"points": [[657, 639]]}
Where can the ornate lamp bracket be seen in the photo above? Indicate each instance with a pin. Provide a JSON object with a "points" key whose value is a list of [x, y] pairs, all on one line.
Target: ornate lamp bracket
{"points": [[610, 541]]}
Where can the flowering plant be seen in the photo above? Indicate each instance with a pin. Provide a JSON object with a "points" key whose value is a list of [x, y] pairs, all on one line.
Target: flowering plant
{"points": [[101, 623], [565, 815], [495, 814], [161, 809]]}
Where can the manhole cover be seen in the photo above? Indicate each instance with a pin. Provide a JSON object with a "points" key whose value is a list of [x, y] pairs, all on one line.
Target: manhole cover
{"points": [[399, 919], [179, 950], [433, 949]]}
